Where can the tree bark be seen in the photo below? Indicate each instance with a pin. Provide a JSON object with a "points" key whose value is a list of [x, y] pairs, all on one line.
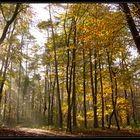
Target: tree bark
{"points": [[133, 105], [91, 79], [74, 74], [95, 93], [131, 24], [127, 113], [102, 96], [84, 89]]}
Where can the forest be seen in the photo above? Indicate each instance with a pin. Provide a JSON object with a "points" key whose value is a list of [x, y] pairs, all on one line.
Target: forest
{"points": [[81, 78]]}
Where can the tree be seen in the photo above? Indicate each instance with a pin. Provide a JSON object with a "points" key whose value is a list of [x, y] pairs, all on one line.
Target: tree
{"points": [[9, 21], [60, 121], [131, 24]]}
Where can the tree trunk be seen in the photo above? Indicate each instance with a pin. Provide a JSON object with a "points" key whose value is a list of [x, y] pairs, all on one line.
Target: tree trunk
{"points": [[9, 98], [68, 76], [84, 89], [45, 92], [116, 96], [69, 127], [74, 74], [102, 96], [5, 68], [60, 121], [95, 93], [9, 22], [125, 92], [112, 94], [133, 106], [5, 65], [127, 113], [91, 80], [49, 100], [5, 105], [131, 24], [52, 103]]}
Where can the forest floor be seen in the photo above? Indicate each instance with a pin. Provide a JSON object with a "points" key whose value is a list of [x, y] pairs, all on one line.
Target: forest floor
{"points": [[35, 132]]}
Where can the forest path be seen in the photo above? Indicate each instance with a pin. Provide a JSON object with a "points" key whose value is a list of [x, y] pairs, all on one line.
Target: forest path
{"points": [[35, 132], [42, 132]]}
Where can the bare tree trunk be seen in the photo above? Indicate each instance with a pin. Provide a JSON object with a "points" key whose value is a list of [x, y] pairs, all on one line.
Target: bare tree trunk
{"points": [[9, 22], [125, 92], [45, 92], [127, 113], [9, 98], [49, 100], [84, 89], [133, 105], [102, 96], [112, 94], [131, 24], [91, 77], [95, 92], [68, 76], [60, 121], [115, 100], [52, 103], [74, 74], [5, 105]]}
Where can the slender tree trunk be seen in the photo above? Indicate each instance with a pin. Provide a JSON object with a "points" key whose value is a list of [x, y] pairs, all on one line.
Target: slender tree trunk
{"points": [[84, 89], [60, 121], [68, 76], [125, 92], [112, 95], [127, 113], [68, 92], [74, 92], [102, 95], [95, 92], [46, 74], [52, 103], [40, 97], [9, 98], [45, 94], [91, 80], [19, 79], [116, 96], [133, 106], [19, 91], [74, 74], [5, 105], [49, 101], [69, 127], [106, 108]]}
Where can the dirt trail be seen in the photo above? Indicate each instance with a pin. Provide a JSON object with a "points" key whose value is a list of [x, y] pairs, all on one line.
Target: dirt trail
{"points": [[33, 132], [45, 132]]}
